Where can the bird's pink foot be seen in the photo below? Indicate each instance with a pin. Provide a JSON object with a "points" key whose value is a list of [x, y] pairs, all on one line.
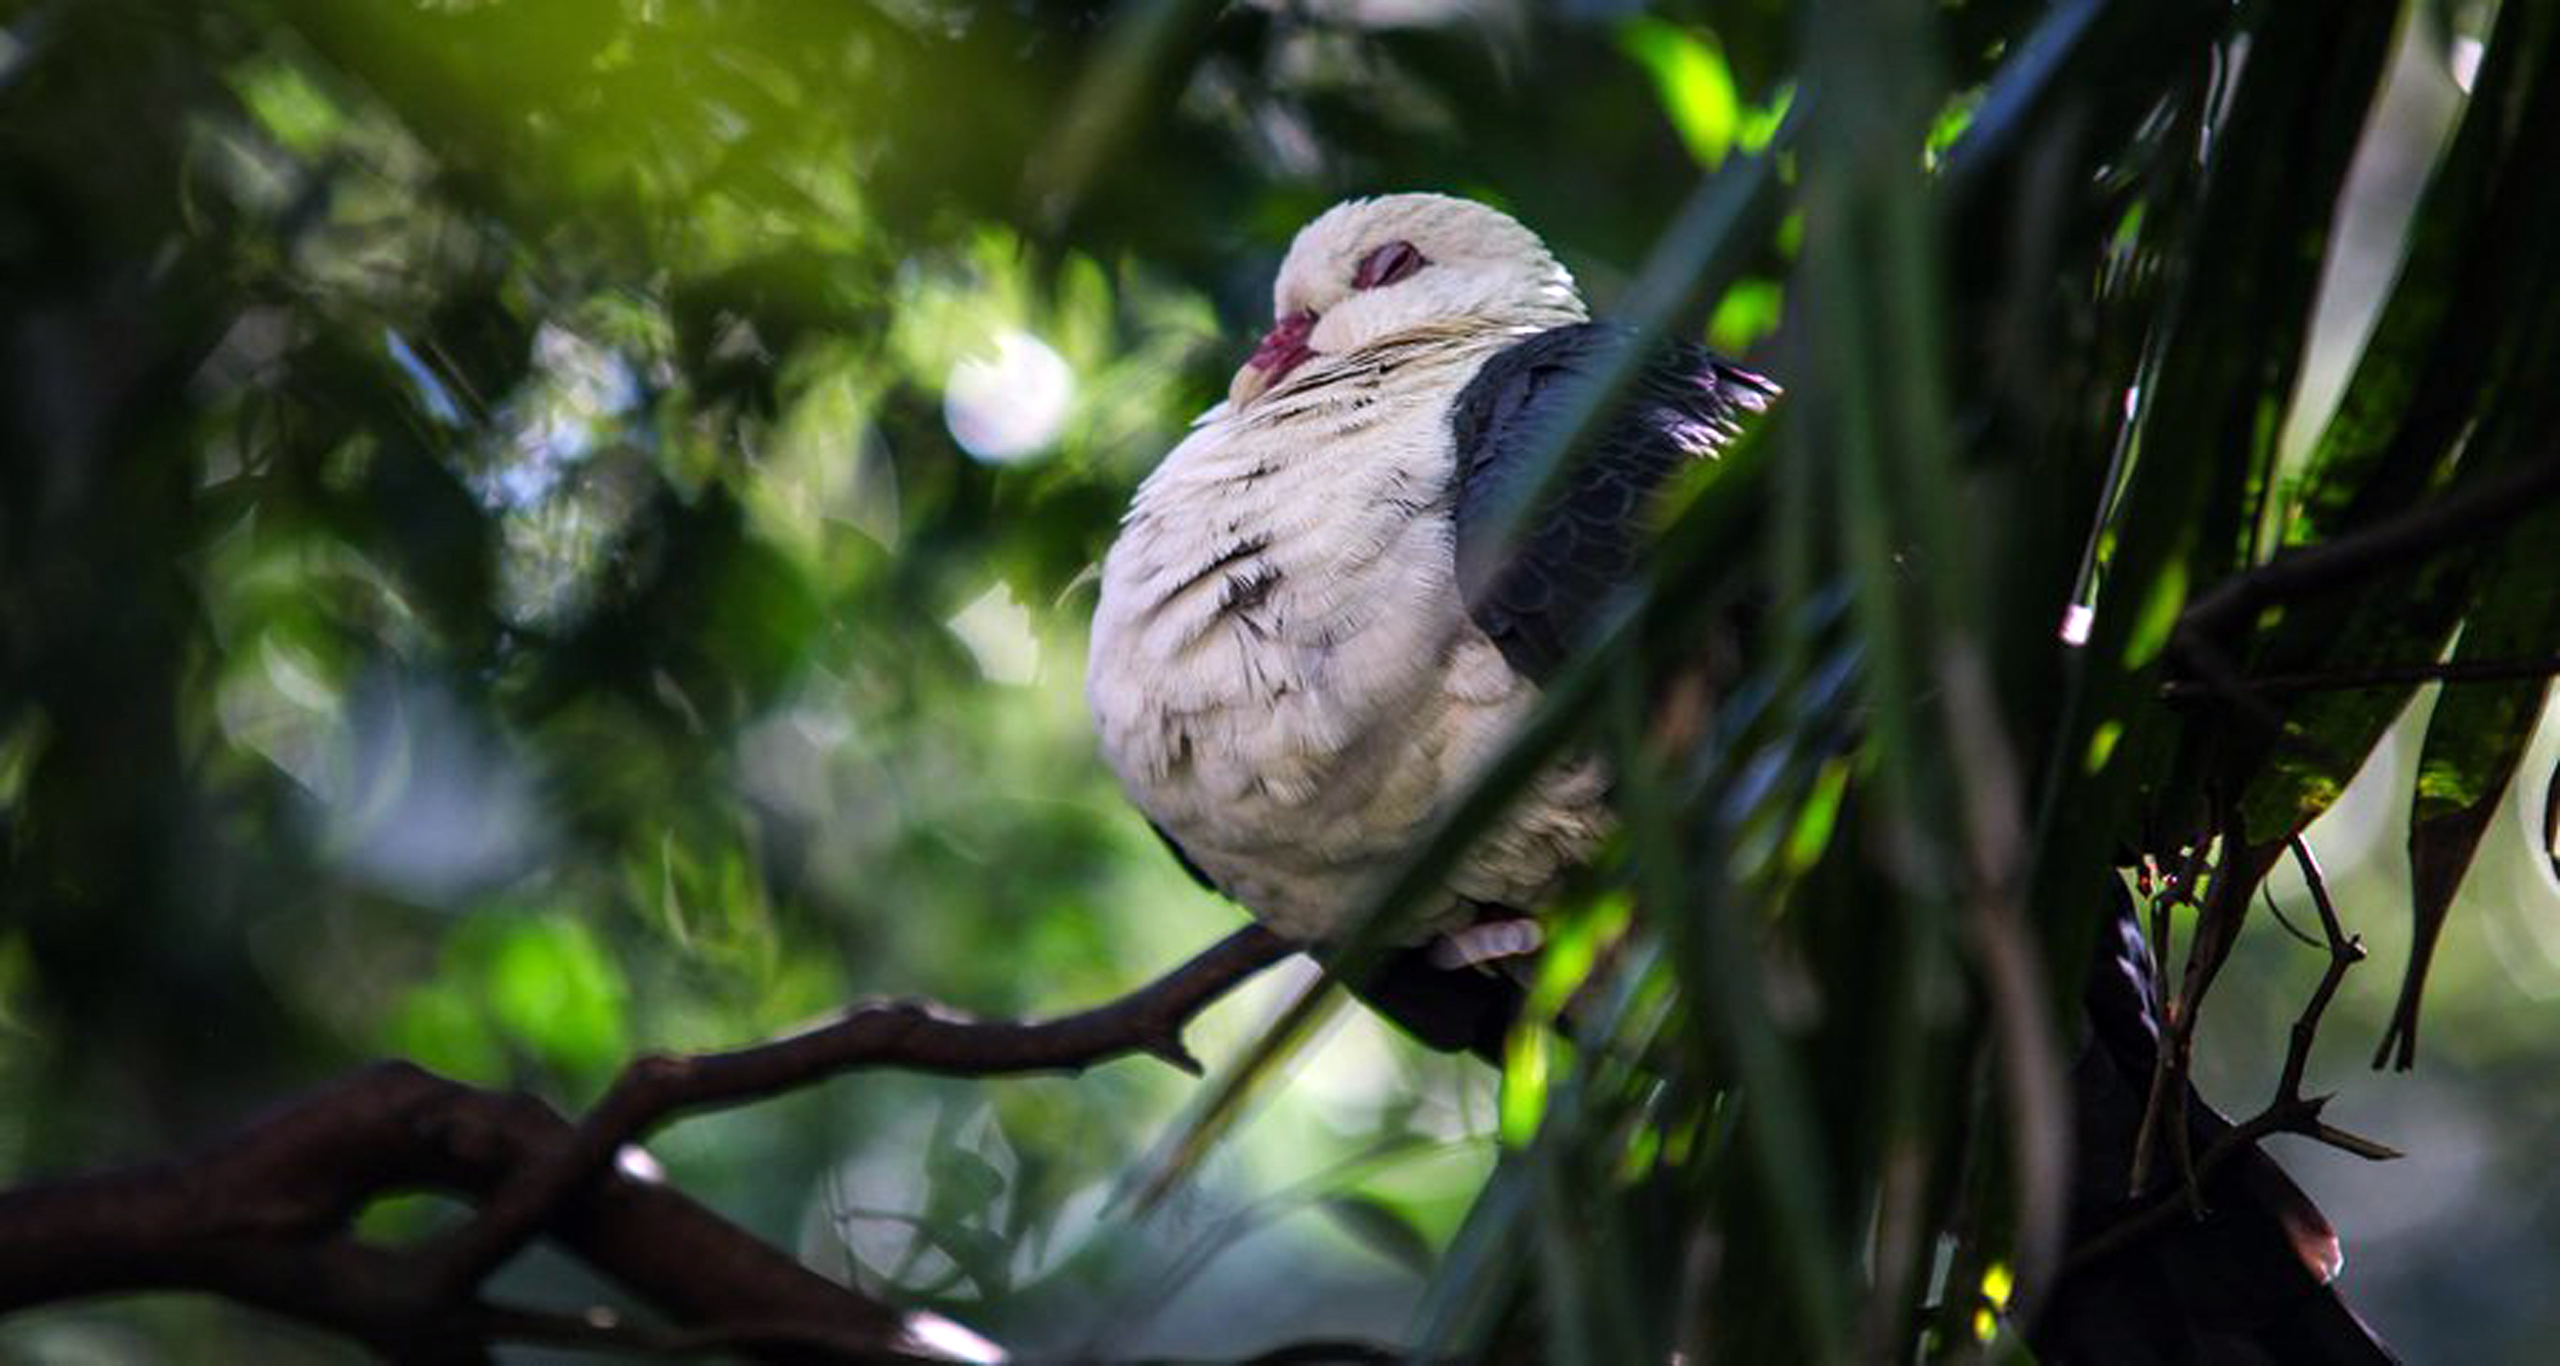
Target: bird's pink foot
{"points": [[1487, 942]]}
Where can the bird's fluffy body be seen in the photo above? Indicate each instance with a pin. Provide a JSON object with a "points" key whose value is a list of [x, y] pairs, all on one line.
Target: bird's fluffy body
{"points": [[1309, 643], [1284, 672]]}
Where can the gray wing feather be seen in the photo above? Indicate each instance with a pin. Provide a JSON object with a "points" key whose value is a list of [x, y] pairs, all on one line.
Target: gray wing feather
{"points": [[1538, 596]]}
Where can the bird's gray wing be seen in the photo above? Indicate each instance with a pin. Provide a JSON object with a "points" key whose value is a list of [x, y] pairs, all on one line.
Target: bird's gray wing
{"points": [[1536, 596]]}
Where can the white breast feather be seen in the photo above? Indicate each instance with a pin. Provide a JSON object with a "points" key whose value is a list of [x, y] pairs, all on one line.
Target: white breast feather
{"points": [[1283, 673]]}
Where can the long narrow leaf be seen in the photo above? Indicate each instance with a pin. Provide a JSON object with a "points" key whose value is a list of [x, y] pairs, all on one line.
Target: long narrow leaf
{"points": [[2475, 739], [2501, 351]]}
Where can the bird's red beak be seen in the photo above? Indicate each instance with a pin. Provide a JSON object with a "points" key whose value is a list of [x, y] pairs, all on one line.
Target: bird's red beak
{"points": [[1283, 349]]}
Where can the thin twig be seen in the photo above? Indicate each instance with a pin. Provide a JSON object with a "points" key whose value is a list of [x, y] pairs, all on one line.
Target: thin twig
{"points": [[2289, 1112], [2345, 951], [1329, 1352], [2168, 1066], [2457, 518], [915, 1036], [2218, 677], [2219, 917], [2138, 1171], [2381, 676], [2181, 1135], [2267, 895], [605, 1330]]}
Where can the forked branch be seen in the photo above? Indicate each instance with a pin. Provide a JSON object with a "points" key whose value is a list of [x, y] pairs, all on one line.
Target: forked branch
{"points": [[266, 1217], [2288, 1112]]}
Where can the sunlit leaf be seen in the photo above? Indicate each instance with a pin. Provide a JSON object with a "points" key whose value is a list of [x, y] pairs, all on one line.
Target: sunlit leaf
{"points": [[2428, 343], [965, 1185], [1527, 1054], [1381, 1228], [554, 990], [2409, 416], [2476, 736], [1749, 310], [446, 1030], [1690, 77]]}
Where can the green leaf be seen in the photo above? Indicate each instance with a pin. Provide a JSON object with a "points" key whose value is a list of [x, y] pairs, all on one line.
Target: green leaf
{"points": [[1465, 1304], [2475, 739], [2406, 618], [2426, 345], [2445, 342], [1750, 310], [965, 1185], [2328, 735], [553, 988], [2158, 615], [1693, 82], [1381, 1228], [291, 106], [442, 1027], [2240, 267], [1527, 1056]]}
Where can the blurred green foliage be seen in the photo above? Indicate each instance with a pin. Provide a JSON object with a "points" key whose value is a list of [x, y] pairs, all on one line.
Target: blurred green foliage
{"points": [[531, 532]]}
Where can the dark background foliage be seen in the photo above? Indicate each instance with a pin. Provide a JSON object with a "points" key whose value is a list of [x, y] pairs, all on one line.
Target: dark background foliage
{"points": [[534, 532]]}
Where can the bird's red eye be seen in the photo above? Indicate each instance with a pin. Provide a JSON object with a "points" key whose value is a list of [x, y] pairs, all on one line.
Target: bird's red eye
{"points": [[1388, 264]]}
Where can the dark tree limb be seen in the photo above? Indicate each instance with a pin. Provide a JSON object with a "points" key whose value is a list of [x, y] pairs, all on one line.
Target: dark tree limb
{"points": [[264, 1217], [914, 1036]]}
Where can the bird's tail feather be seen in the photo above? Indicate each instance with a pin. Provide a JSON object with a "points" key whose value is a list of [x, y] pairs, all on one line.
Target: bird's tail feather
{"points": [[1461, 1009]]}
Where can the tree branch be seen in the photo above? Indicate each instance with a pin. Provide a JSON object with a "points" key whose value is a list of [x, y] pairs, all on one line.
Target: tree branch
{"points": [[913, 1035], [2388, 676], [263, 1217], [2464, 516], [2289, 1112]]}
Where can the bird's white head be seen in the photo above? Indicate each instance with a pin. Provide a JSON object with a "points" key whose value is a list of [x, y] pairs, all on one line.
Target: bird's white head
{"points": [[1404, 267]]}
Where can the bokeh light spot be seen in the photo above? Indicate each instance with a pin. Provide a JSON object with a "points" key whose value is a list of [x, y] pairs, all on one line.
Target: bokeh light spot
{"points": [[1008, 403]]}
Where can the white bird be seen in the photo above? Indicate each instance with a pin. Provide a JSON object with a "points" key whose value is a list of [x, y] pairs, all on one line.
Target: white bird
{"points": [[1292, 683], [1286, 673]]}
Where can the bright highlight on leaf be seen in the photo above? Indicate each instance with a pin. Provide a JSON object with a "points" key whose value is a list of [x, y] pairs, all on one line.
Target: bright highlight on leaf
{"points": [[1747, 312], [289, 105], [1814, 821], [2159, 615], [1524, 1084], [1760, 122], [1998, 1282], [1950, 125], [2102, 745], [552, 986], [1693, 82], [1573, 947]]}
